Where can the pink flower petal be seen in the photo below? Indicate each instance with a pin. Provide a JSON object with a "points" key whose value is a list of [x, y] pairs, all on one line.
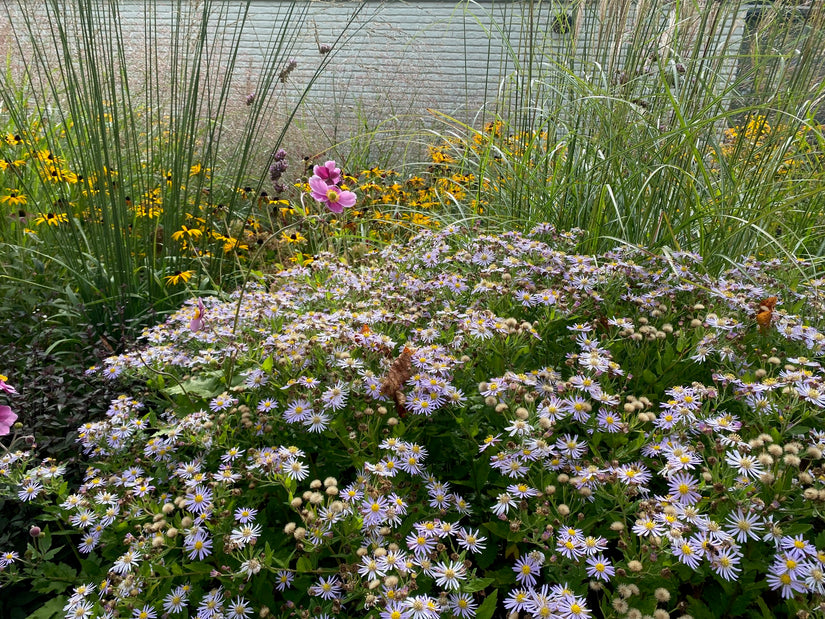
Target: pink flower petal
{"points": [[7, 419], [346, 199]]}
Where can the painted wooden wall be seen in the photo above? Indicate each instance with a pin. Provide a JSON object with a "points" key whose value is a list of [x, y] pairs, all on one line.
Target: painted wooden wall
{"points": [[403, 58]]}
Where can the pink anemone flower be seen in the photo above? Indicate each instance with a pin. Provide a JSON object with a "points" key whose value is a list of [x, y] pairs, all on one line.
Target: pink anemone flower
{"points": [[7, 419], [196, 324], [6, 387], [334, 198], [328, 173]]}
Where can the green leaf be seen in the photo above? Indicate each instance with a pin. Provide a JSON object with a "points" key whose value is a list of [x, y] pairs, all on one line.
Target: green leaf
{"points": [[91, 569], [766, 612], [477, 584], [47, 556], [487, 556], [649, 377], [304, 565], [268, 364], [57, 577], [205, 385], [498, 529], [52, 608], [488, 606]]}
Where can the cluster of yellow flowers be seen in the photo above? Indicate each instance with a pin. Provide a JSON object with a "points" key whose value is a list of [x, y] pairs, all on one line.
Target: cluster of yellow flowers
{"points": [[40, 191], [750, 143], [42, 194]]}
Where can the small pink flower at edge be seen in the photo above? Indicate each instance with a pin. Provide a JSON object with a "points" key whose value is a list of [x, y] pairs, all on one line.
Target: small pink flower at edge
{"points": [[333, 197], [196, 324], [7, 419], [6, 387], [328, 173]]}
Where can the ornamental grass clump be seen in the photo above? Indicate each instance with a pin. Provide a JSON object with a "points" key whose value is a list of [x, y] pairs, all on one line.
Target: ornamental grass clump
{"points": [[135, 154], [614, 117], [463, 425]]}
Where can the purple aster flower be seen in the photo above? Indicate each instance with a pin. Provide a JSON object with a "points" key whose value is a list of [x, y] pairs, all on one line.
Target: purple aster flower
{"points": [[297, 411], [462, 605], [7, 558], [573, 607], [198, 499], [608, 420], [526, 569], [517, 600], [295, 469], [786, 582], [335, 397], [284, 579], [423, 607], [127, 562], [503, 504], [29, 490], [222, 402], [88, 543], [147, 612], [600, 568], [683, 487], [199, 546], [797, 546], [326, 588], [395, 610], [689, 552], [469, 539], [374, 511], [570, 547], [420, 544], [744, 526], [726, 561], [449, 575], [245, 515]]}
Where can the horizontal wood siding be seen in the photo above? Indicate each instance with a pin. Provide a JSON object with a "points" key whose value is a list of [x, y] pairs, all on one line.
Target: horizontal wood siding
{"points": [[403, 58]]}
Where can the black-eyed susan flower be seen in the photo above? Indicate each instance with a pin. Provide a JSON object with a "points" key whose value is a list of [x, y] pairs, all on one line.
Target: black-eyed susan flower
{"points": [[292, 237], [13, 139], [52, 219], [13, 198], [186, 233], [179, 276]]}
